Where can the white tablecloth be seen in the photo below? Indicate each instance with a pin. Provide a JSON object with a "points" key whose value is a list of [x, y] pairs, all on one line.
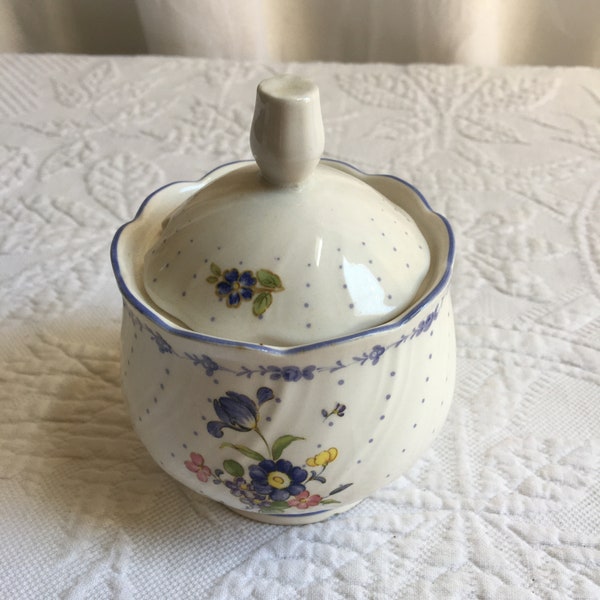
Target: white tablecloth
{"points": [[506, 504]]}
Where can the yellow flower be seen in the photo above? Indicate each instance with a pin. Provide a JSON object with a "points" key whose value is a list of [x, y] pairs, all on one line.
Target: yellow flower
{"points": [[323, 458]]}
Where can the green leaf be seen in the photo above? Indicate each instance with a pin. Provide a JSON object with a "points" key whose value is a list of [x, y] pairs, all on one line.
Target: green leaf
{"points": [[282, 443], [245, 451], [275, 507], [268, 279], [233, 467], [330, 501], [215, 269], [212, 279], [261, 303]]}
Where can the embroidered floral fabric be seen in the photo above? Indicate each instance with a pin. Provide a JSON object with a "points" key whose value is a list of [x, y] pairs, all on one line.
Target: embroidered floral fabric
{"points": [[507, 501]]}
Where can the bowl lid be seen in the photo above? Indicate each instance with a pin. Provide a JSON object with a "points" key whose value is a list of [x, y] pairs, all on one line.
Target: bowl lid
{"points": [[286, 251]]}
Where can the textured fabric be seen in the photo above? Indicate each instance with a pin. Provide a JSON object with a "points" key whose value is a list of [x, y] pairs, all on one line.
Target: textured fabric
{"points": [[505, 504]]}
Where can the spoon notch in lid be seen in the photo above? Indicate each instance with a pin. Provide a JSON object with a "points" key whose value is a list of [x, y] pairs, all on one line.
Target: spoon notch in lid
{"points": [[286, 250]]}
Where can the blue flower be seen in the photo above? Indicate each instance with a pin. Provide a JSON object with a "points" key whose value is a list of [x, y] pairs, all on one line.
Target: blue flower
{"points": [[235, 286], [424, 325], [263, 394], [243, 490], [291, 374], [163, 346], [210, 366], [339, 409], [375, 354], [238, 486], [236, 412], [277, 480], [308, 372]]}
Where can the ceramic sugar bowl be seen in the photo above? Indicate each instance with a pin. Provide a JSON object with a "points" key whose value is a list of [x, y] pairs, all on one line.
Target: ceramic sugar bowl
{"points": [[288, 339]]}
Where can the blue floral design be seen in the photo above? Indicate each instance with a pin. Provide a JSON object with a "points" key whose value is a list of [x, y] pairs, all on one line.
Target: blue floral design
{"points": [[376, 354], [236, 411], [291, 373], [338, 410], [277, 479], [241, 489], [270, 484], [210, 366], [235, 286], [424, 325], [205, 361], [163, 346]]}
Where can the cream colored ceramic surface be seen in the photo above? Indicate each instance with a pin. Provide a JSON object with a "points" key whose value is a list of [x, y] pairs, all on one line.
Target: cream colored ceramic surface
{"points": [[296, 435], [287, 252], [287, 137], [346, 258]]}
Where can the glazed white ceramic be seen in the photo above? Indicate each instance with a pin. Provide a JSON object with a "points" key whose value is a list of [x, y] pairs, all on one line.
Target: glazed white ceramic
{"points": [[287, 137], [286, 251], [287, 435]]}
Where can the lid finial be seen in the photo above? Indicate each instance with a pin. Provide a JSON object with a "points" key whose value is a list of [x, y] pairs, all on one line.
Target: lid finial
{"points": [[286, 137]]}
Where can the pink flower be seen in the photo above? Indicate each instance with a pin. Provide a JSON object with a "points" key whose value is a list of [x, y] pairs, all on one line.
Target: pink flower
{"points": [[304, 500], [196, 465]]}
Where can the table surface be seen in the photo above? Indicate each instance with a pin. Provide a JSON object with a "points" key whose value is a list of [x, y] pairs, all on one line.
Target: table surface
{"points": [[506, 503]]}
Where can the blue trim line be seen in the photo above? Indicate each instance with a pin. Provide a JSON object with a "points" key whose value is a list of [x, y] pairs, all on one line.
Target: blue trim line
{"points": [[274, 350], [310, 514]]}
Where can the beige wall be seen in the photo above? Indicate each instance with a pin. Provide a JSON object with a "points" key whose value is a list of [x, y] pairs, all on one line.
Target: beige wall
{"points": [[551, 32], [81, 26]]}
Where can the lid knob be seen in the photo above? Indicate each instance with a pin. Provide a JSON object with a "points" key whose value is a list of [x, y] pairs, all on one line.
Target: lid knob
{"points": [[286, 137]]}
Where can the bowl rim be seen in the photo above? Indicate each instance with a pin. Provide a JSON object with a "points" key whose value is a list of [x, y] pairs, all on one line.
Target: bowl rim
{"points": [[182, 332]]}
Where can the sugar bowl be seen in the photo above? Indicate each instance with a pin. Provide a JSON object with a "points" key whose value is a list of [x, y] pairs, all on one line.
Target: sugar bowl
{"points": [[287, 338]]}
